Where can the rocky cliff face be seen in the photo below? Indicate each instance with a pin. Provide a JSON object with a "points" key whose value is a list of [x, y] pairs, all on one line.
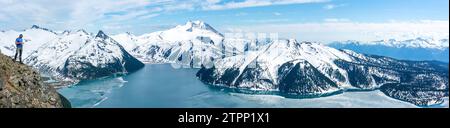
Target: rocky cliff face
{"points": [[22, 87]]}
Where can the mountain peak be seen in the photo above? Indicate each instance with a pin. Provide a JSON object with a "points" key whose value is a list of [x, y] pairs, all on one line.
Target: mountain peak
{"points": [[129, 33], [293, 40], [84, 31], [198, 25], [38, 27], [66, 32], [101, 34], [35, 27]]}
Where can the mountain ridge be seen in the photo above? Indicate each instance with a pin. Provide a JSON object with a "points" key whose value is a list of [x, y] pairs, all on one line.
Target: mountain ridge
{"points": [[77, 54], [418, 42], [401, 50], [311, 69]]}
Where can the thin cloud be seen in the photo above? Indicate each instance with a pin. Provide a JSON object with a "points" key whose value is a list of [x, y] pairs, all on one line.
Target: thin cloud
{"points": [[333, 6], [2, 17], [266, 20], [241, 14], [148, 16], [85, 13], [256, 3], [81, 13], [277, 14], [336, 20]]}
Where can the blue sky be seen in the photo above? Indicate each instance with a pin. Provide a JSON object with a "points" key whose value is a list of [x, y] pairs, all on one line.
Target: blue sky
{"points": [[321, 20]]}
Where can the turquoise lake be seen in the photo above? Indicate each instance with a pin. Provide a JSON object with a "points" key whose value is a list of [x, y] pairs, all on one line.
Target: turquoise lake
{"points": [[162, 86]]}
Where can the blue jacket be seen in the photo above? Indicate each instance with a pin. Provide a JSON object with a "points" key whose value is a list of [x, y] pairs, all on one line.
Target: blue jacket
{"points": [[20, 42]]}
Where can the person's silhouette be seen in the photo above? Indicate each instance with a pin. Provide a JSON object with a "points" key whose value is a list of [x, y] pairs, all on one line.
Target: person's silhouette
{"points": [[19, 48]]}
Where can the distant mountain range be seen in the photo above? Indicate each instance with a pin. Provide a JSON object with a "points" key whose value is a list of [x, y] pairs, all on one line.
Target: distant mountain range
{"points": [[191, 44], [292, 68], [419, 49]]}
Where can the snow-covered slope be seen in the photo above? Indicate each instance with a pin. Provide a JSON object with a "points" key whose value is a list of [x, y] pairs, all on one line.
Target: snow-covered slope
{"points": [[190, 31], [33, 39], [412, 49], [80, 55], [267, 62], [127, 40], [309, 69], [188, 44], [419, 42]]}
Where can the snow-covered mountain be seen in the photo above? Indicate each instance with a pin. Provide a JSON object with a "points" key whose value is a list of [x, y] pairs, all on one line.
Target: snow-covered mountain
{"points": [[80, 55], [70, 55], [419, 42], [188, 44], [412, 49], [127, 40], [267, 61], [310, 69], [33, 39]]}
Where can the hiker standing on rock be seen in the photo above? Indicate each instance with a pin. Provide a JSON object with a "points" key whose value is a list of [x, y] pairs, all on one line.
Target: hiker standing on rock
{"points": [[19, 47]]}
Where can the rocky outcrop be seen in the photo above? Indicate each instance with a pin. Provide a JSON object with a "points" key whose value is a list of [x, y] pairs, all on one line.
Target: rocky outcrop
{"points": [[22, 87]]}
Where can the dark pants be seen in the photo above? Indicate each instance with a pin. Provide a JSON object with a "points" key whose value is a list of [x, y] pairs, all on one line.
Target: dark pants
{"points": [[18, 51]]}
